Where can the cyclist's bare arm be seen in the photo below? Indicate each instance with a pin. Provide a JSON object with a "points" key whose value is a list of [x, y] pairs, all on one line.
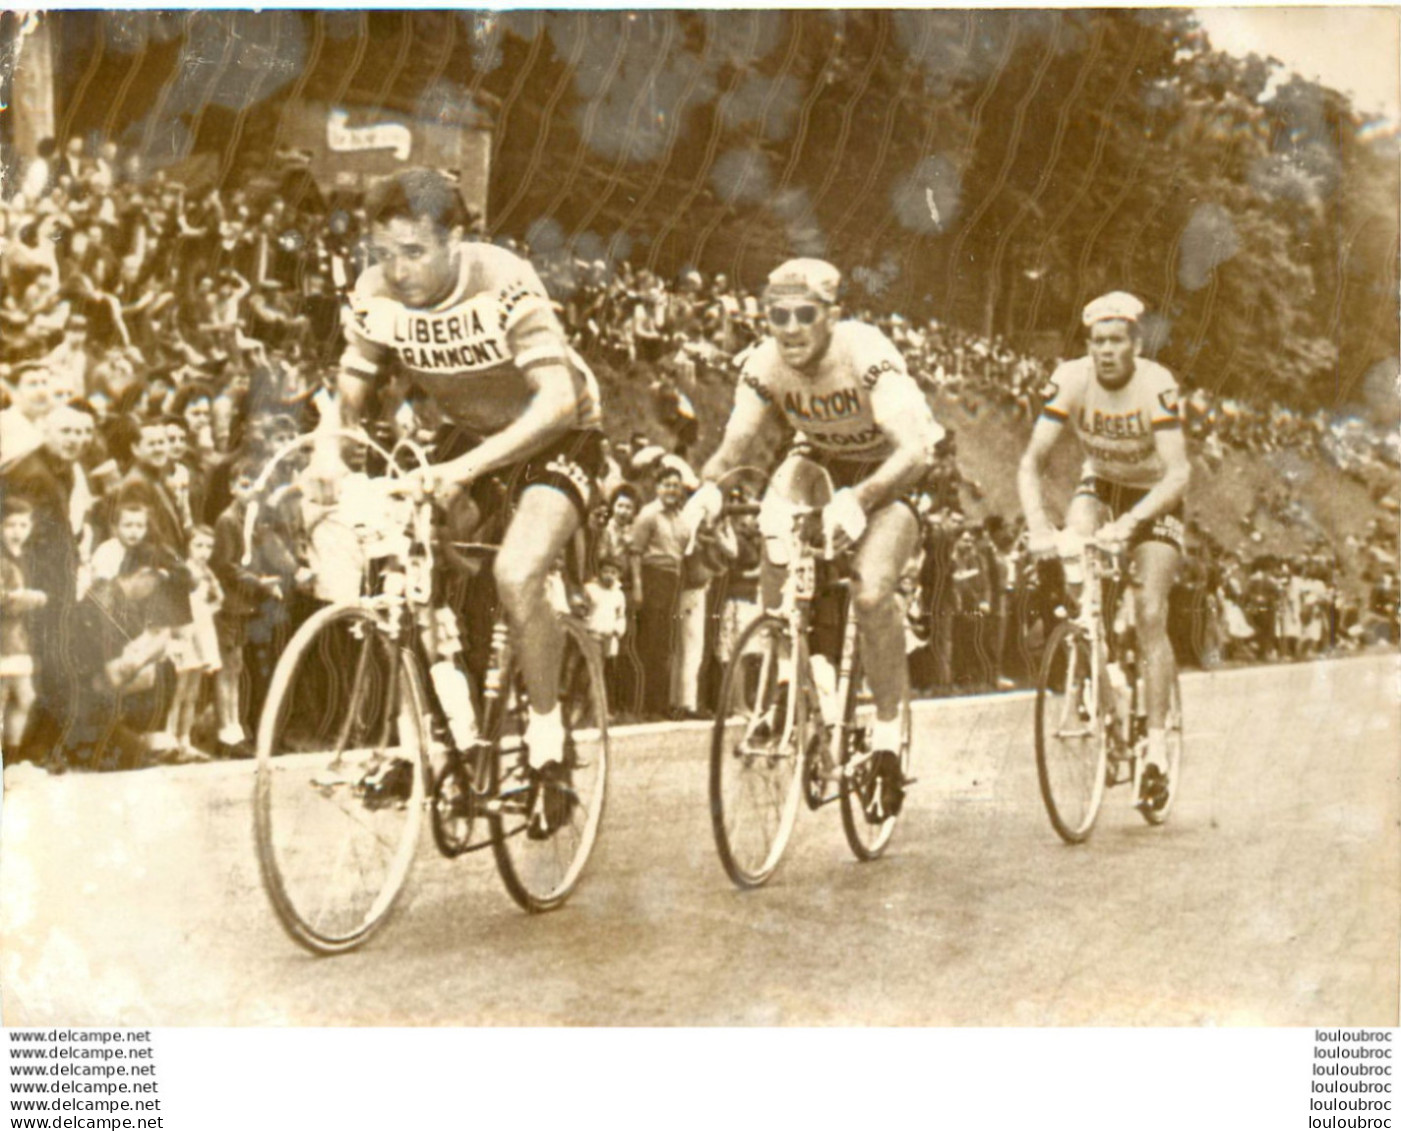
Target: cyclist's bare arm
{"points": [[1171, 444], [749, 419], [1044, 436], [912, 434]]}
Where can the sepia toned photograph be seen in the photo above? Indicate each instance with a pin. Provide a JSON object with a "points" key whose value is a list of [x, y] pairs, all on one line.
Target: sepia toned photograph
{"points": [[700, 518]]}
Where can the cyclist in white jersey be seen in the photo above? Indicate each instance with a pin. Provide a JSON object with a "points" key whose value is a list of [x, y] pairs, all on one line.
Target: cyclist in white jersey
{"points": [[1124, 409], [472, 325], [843, 388]]}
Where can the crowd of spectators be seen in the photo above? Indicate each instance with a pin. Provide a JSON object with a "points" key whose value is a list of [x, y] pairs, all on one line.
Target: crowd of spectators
{"points": [[161, 343]]}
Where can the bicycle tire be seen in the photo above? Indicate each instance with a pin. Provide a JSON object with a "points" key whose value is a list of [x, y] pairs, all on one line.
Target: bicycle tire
{"points": [[1071, 774], [337, 823], [767, 772], [867, 839], [1158, 811], [541, 874]]}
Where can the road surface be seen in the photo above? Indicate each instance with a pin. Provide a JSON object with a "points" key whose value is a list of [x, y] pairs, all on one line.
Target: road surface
{"points": [[1272, 897]]}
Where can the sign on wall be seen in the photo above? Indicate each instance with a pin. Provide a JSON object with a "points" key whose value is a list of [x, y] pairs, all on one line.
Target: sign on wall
{"points": [[349, 145]]}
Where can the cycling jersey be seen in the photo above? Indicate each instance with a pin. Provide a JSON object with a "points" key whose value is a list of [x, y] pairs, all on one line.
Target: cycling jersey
{"points": [[1116, 426], [471, 351], [859, 384]]}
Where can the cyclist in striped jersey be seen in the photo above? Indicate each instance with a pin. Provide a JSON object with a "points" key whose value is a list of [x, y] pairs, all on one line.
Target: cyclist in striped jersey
{"points": [[471, 325], [1125, 411]]}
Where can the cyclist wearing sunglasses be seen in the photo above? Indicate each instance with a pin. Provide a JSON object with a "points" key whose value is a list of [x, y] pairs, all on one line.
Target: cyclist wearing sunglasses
{"points": [[843, 389]]}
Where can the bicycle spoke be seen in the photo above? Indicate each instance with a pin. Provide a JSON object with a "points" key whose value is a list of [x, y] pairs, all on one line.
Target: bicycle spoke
{"points": [[541, 866], [755, 768], [338, 829], [1071, 744]]}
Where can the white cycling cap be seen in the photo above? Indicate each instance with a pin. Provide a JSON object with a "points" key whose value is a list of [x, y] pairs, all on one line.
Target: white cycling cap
{"points": [[804, 278], [1116, 304]]}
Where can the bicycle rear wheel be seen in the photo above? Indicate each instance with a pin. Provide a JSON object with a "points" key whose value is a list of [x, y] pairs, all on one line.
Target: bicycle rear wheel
{"points": [[340, 779], [1162, 793], [1072, 747], [868, 828], [756, 753], [540, 873]]}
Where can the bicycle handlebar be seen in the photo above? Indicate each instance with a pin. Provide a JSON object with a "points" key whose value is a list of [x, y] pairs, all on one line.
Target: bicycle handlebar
{"points": [[250, 518]]}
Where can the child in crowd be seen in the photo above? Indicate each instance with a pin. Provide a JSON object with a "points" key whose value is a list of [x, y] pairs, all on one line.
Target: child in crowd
{"points": [[129, 528], [244, 592], [16, 603], [608, 613], [741, 585], [199, 644]]}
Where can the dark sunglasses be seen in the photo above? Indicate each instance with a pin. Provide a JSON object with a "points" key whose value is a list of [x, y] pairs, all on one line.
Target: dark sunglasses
{"points": [[805, 315]]}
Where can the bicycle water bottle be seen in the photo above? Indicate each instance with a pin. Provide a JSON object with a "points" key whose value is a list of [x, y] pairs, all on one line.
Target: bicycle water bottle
{"points": [[1119, 684], [419, 572], [824, 678], [805, 578], [450, 682]]}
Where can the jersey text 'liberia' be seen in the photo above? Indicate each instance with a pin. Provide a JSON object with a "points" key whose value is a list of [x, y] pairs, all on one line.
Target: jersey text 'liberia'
{"points": [[1116, 426], [859, 384], [471, 352]]}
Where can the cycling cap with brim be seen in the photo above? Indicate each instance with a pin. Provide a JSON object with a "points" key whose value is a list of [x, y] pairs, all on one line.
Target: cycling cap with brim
{"points": [[1116, 304], [804, 278]]}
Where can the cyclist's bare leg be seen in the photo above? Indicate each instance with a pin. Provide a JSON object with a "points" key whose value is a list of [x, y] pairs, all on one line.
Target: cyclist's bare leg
{"points": [[544, 522], [1085, 515], [1156, 563], [890, 541]]}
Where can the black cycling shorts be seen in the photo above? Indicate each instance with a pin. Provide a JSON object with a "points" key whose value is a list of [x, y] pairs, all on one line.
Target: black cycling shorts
{"points": [[573, 464], [848, 473], [1120, 499]]}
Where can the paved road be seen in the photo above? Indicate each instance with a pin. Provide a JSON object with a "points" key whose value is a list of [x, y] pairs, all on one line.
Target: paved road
{"points": [[1273, 897]]}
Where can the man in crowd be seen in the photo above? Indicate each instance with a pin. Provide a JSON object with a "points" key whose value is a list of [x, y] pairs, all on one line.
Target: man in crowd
{"points": [[47, 478], [659, 540], [145, 483]]}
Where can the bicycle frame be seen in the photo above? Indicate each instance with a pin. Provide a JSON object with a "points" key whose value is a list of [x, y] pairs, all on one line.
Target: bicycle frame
{"points": [[404, 606], [800, 590], [760, 779], [1103, 572]]}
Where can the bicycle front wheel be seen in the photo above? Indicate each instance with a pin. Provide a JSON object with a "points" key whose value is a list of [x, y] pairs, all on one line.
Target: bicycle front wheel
{"points": [[867, 824], [1072, 749], [756, 753], [541, 871], [341, 775], [1161, 793]]}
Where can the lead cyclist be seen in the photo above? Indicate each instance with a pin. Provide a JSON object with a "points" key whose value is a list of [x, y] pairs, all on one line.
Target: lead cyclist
{"points": [[1125, 411], [472, 325], [842, 386]]}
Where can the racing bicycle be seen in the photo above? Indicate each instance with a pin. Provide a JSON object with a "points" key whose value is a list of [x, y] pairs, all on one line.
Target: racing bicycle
{"points": [[781, 739], [354, 747], [1091, 720]]}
